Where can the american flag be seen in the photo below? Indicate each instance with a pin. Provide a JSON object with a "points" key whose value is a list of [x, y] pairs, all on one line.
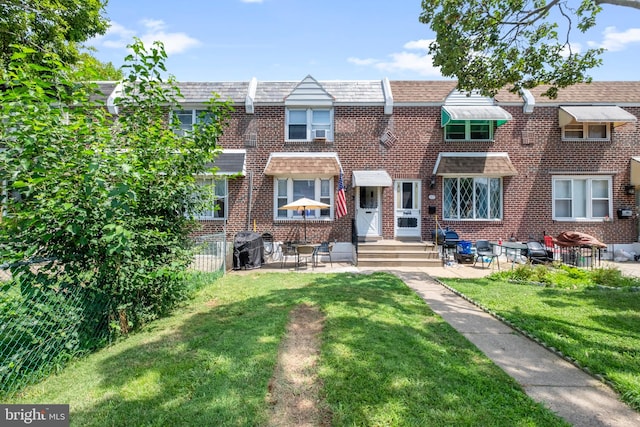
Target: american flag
{"points": [[341, 200]]}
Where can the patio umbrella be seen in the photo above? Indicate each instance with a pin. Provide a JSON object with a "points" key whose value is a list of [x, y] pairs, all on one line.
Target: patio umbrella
{"points": [[303, 204]]}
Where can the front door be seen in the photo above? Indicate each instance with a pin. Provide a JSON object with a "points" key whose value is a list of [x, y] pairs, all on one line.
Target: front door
{"points": [[407, 209], [368, 211]]}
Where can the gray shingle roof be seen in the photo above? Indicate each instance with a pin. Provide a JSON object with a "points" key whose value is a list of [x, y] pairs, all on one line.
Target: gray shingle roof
{"points": [[198, 92], [370, 92], [274, 92]]}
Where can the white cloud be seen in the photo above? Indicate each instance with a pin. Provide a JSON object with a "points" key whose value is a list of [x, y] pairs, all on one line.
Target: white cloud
{"points": [[251, 1], [575, 49], [173, 42], [615, 40], [418, 44], [118, 37], [359, 61], [417, 62]]}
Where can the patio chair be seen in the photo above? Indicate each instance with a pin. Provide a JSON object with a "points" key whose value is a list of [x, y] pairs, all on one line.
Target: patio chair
{"points": [[324, 249], [538, 254], [306, 253], [288, 250], [484, 250]]}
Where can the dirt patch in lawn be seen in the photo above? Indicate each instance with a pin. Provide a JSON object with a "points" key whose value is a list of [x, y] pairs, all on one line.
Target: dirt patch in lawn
{"points": [[294, 389]]}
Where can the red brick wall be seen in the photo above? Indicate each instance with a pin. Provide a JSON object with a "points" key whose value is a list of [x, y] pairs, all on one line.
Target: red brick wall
{"points": [[533, 142]]}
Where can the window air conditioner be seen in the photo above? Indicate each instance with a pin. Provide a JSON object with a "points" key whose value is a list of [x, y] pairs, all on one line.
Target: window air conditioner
{"points": [[319, 133]]}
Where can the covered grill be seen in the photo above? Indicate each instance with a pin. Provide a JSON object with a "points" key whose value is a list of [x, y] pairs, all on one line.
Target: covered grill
{"points": [[449, 239], [248, 250]]}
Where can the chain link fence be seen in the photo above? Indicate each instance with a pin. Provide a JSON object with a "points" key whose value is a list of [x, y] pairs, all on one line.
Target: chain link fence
{"points": [[42, 328]]}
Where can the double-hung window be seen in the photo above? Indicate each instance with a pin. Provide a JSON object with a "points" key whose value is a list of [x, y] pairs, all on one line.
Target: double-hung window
{"points": [[585, 131], [578, 198], [288, 190], [214, 197], [307, 124], [472, 198], [186, 119], [469, 130]]}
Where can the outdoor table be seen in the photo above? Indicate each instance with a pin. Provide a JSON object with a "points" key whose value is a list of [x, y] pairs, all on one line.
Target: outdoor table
{"points": [[514, 247]]}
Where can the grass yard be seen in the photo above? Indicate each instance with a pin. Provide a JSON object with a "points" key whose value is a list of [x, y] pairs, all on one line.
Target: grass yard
{"points": [[386, 360], [597, 326]]}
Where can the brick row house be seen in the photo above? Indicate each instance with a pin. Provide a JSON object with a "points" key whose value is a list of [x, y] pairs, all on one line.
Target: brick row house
{"points": [[413, 153]]}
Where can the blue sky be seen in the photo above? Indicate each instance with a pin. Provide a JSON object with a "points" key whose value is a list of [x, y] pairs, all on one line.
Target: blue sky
{"points": [[235, 40]]}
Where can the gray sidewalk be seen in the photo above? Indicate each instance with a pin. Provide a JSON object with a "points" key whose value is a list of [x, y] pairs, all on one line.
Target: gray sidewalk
{"points": [[574, 395]]}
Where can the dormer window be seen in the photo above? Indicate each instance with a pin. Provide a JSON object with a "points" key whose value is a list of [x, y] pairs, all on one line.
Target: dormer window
{"points": [[308, 124], [591, 122]]}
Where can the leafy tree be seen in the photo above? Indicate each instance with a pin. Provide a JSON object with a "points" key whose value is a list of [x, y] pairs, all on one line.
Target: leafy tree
{"points": [[88, 67], [106, 202], [491, 44], [55, 26]]}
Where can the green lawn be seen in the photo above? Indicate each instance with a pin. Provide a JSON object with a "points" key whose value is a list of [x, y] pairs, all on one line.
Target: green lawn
{"points": [[386, 360], [599, 327]]}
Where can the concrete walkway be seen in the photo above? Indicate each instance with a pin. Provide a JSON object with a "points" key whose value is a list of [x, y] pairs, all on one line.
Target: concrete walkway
{"points": [[574, 395], [547, 378]]}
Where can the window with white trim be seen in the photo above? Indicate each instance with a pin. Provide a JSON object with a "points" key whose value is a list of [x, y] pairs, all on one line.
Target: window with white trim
{"points": [[473, 198], [214, 197], [288, 190], [469, 130], [585, 131], [302, 123], [185, 119], [578, 198]]}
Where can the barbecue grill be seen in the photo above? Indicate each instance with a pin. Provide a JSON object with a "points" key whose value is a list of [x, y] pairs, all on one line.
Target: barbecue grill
{"points": [[449, 239]]}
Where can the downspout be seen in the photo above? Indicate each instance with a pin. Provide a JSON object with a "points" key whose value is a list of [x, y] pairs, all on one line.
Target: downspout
{"points": [[250, 197]]}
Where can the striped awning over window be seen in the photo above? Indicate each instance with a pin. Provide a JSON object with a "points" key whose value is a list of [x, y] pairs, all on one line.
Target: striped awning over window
{"points": [[594, 114], [474, 112]]}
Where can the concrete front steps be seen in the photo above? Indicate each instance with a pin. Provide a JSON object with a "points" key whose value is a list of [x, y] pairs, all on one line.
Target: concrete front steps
{"points": [[395, 253]]}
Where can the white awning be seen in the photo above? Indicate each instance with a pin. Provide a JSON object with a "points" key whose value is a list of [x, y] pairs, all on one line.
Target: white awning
{"points": [[594, 114], [375, 178], [474, 112]]}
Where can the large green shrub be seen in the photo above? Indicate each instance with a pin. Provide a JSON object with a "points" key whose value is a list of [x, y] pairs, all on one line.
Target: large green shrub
{"points": [[105, 201]]}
